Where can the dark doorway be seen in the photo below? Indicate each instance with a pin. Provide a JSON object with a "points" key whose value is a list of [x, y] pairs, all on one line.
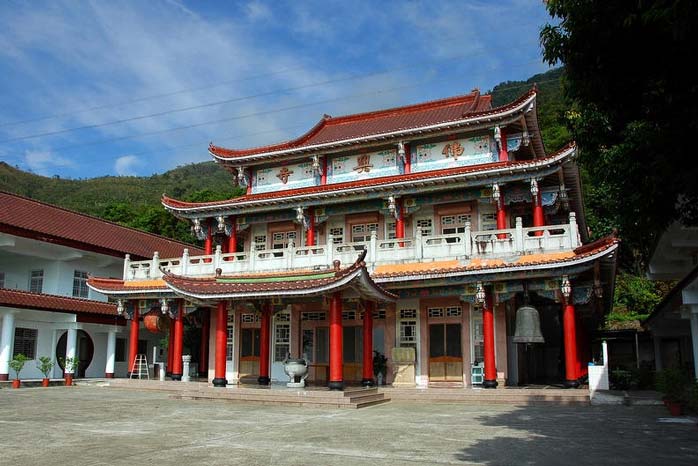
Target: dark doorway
{"points": [[85, 351], [445, 353]]}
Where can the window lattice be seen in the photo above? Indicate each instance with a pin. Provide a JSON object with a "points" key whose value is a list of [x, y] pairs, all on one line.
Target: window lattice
{"points": [[282, 341], [454, 311], [408, 313], [283, 317], [260, 242], [337, 235], [349, 315], [250, 318], [316, 316], [36, 281], [435, 312], [80, 288], [426, 225]]}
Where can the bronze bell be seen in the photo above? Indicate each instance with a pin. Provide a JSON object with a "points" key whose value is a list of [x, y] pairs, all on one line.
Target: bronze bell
{"points": [[528, 326]]}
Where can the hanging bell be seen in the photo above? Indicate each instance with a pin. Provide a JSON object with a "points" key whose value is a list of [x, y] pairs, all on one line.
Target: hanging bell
{"points": [[528, 326]]}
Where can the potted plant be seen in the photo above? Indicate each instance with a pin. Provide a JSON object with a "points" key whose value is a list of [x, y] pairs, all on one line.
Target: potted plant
{"points": [[70, 365], [673, 383], [380, 367], [44, 364], [17, 364]]}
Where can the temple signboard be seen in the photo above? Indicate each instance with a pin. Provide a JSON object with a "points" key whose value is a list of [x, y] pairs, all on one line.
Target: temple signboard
{"points": [[360, 166], [455, 153]]}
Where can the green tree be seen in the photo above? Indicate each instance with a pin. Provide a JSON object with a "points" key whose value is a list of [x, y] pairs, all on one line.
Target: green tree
{"points": [[634, 111]]}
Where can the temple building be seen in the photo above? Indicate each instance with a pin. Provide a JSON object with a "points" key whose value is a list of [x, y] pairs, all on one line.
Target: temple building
{"points": [[440, 235]]}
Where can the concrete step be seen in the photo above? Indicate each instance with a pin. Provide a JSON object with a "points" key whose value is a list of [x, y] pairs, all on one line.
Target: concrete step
{"points": [[501, 396]]}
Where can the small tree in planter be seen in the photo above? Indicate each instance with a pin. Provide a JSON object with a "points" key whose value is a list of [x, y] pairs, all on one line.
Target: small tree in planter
{"points": [[674, 384], [17, 364], [70, 365], [45, 364]]}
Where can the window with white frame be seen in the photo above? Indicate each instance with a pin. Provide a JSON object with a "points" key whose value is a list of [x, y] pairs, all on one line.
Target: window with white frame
{"points": [[260, 242], [280, 239], [80, 289], [25, 342], [390, 230], [282, 336], [337, 235], [452, 224], [454, 311], [230, 335], [407, 328], [361, 232], [36, 281], [488, 217], [477, 336], [435, 312], [426, 225]]}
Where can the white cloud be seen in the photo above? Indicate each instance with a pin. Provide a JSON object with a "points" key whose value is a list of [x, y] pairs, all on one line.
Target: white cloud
{"points": [[257, 11], [44, 161], [127, 165]]}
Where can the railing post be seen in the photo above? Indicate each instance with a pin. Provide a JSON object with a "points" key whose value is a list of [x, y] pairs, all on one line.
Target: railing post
{"points": [[185, 262], [519, 236], [290, 251], [154, 265], [252, 255], [373, 247], [574, 231], [329, 249], [217, 258], [127, 265], [468, 240], [418, 243]]}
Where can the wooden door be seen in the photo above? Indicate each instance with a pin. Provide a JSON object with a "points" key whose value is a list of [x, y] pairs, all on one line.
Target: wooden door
{"points": [[249, 353], [445, 353]]}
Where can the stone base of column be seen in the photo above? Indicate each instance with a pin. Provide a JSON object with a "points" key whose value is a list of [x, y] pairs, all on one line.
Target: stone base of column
{"points": [[571, 383], [4, 377], [367, 383], [336, 385], [263, 380], [109, 375], [219, 382], [176, 376], [128, 375], [168, 374], [489, 384]]}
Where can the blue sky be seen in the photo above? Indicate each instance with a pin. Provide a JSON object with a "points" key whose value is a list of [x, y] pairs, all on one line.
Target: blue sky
{"points": [[136, 88]]}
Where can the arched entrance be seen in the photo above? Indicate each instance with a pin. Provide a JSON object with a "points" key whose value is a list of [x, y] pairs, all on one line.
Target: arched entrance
{"points": [[85, 351]]}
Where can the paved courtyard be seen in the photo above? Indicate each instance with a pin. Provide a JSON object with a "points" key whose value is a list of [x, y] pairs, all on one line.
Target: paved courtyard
{"points": [[98, 426]]}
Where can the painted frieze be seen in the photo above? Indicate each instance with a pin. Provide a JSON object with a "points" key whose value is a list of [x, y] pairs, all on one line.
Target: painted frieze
{"points": [[364, 165], [454, 153], [279, 178]]}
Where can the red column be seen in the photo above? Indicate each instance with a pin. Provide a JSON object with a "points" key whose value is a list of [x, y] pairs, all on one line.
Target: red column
{"points": [[488, 334], [170, 349], [323, 174], [178, 342], [569, 329], [208, 242], [221, 344], [367, 378], [400, 220], [264, 334], [408, 159], [310, 233], [503, 153], [336, 381], [133, 337], [233, 239], [538, 217], [203, 347], [501, 216]]}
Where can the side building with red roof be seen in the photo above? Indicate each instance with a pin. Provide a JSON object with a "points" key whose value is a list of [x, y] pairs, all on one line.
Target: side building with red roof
{"points": [[47, 254], [441, 236]]}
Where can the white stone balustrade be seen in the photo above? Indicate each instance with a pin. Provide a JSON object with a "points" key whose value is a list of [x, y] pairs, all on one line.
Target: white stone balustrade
{"points": [[467, 245]]}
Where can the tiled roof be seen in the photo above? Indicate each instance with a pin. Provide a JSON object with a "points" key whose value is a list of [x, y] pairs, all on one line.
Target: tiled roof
{"points": [[292, 283], [115, 285], [422, 269], [26, 217], [175, 204], [49, 302], [362, 125]]}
